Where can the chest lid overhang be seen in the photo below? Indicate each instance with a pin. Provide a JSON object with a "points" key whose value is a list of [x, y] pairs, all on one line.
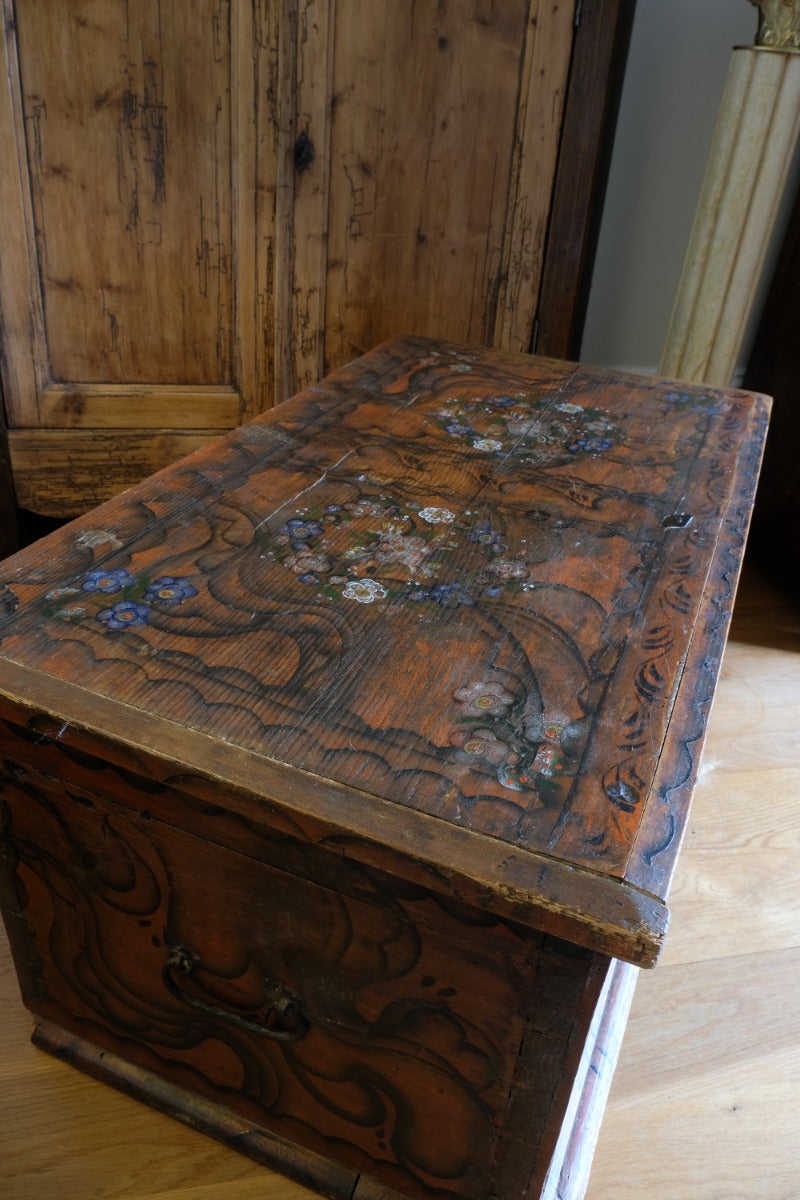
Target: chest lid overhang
{"points": [[456, 607]]}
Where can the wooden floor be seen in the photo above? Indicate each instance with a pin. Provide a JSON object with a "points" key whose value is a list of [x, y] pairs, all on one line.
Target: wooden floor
{"points": [[704, 1105]]}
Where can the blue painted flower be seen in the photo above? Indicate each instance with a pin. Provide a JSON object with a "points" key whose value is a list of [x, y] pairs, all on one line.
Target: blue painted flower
{"points": [[302, 531], [450, 595], [483, 535], [501, 401], [590, 445], [169, 589], [124, 615], [308, 577], [693, 401], [457, 428], [107, 581]]}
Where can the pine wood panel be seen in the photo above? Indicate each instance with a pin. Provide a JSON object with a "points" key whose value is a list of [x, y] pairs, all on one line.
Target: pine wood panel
{"points": [[92, 464], [153, 247], [181, 255], [712, 1119]]}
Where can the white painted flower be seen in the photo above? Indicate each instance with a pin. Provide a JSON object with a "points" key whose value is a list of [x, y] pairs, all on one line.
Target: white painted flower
{"points": [[74, 613], [60, 593], [437, 516], [365, 591], [98, 537], [569, 408], [488, 444]]}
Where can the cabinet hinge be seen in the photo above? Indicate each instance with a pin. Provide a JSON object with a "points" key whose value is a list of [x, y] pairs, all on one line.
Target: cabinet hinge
{"points": [[578, 11]]}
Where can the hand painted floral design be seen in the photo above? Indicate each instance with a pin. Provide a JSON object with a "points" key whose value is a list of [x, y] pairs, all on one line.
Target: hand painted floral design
{"points": [[308, 563], [107, 581], [60, 593], [169, 589], [437, 516], [140, 597], [497, 730], [509, 568], [405, 547], [482, 744], [365, 591], [446, 595], [678, 400], [74, 612], [482, 698], [483, 534], [544, 431], [90, 538], [125, 615], [590, 445]]}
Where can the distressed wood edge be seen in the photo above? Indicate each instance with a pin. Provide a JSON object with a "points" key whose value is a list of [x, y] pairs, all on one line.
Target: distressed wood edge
{"points": [[21, 299], [98, 466], [312, 88], [658, 839], [8, 499], [602, 39], [21, 939], [572, 1158], [536, 1160], [600, 912], [206, 1116], [546, 54], [88, 407]]}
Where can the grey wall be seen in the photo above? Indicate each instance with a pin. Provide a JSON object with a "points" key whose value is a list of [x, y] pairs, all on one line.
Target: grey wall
{"points": [[679, 56]]}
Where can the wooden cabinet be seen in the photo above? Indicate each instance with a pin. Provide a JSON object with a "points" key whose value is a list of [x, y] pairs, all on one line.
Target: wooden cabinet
{"points": [[205, 205]]}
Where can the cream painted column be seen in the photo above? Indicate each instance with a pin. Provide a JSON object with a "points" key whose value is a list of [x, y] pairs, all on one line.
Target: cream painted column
{"points": [[752, 150]]}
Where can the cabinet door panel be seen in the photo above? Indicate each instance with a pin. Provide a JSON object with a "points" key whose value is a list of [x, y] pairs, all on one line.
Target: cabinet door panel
{"points": [[133, 220], [428, 176], [212, 202], [122, 119]]}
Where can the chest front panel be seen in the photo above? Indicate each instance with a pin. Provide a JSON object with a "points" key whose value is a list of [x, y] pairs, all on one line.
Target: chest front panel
{"points": [[348, 1013]]}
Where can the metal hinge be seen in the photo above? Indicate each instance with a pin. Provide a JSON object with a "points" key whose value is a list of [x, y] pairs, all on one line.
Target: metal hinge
{"points": [[578, 10]]}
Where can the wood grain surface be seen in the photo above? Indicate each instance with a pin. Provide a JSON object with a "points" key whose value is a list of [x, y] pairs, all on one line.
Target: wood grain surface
{"points": [[454, 592], [212, 203], [702, 1104]]}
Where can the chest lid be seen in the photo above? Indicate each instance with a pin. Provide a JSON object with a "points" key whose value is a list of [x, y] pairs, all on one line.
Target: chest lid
{"points": [[461, 608]]}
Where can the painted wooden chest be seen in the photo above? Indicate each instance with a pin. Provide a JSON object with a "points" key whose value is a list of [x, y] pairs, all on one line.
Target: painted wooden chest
{"points": [[345, 763]]}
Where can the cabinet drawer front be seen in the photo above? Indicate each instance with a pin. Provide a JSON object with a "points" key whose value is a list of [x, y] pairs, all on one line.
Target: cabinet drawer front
{"points": [[372, 1024]]}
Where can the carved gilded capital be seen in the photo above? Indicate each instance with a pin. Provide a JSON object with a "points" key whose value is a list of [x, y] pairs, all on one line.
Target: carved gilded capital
{"points": [[779, 26]]}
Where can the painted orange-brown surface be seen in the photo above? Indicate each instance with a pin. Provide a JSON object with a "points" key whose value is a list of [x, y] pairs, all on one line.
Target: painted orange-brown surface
{"points": [[458, 593], [340, 758]]}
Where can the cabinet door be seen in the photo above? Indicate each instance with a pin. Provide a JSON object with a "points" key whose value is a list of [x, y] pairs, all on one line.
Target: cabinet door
{"points": [[210, 202], [138, 221]]}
